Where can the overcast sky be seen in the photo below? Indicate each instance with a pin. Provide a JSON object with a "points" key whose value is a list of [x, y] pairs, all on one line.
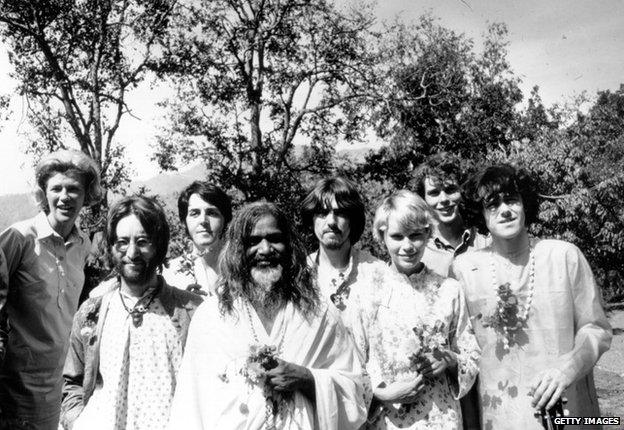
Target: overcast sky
{"points": [[565, 47]]}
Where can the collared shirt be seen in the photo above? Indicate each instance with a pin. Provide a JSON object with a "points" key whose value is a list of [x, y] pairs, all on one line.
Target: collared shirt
{"points": [[45, 277], [439, 254]]}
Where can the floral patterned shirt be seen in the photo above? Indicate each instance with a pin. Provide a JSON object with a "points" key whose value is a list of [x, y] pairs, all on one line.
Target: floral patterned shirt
{"points": [[397, 318]]}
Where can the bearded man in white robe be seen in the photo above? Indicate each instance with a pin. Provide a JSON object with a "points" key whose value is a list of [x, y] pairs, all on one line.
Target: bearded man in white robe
{"points": [[267, 352]]}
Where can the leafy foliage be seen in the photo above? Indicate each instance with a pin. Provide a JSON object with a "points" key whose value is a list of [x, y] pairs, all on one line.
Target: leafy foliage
{"points": [[74, 62], [256, 77]]}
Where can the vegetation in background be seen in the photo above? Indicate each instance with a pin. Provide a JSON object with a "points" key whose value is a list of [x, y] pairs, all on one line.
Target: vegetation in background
{"points": [[266, 88]]}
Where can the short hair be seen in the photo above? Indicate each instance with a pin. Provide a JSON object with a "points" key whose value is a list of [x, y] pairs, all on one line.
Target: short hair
{"points": [[499, 179], [152, 218], [413, 212], [209, 193], [235, 278], [73, 163], [441, 166], [347, 198]]}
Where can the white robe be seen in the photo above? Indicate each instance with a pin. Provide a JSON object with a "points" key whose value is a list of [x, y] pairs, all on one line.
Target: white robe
{"points": [[212, 394]]}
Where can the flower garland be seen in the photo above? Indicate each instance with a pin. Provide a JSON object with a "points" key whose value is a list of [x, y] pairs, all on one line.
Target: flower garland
{"points": [[510, 317]]}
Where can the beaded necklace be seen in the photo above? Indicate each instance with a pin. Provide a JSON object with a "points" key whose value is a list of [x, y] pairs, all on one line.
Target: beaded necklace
{"points": [[273, 405], [523, 314]]}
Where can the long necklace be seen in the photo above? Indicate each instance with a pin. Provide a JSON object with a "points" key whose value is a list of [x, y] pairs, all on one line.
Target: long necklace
{"points": [[272, 405], [523, 314]]}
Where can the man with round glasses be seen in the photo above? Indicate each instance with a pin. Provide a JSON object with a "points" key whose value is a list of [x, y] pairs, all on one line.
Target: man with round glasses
{"points": [[126, 345]]}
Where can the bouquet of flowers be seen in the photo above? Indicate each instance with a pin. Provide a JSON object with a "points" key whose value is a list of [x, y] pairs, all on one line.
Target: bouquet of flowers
{"points": [[507, 320], [431, 339], [259, 361]]}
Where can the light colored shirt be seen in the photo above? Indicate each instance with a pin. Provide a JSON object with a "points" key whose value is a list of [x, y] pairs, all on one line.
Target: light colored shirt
{"points": [[391, 313], [212, 392], [439, 254], [566, 329], [45, 278]]}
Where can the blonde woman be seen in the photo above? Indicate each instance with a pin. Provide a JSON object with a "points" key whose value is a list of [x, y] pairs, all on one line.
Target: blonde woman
{"points": [[45, 258], [422, 354]]}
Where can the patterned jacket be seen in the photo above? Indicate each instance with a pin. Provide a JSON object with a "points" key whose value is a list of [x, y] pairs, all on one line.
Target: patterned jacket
{"points": [[81, 370]]}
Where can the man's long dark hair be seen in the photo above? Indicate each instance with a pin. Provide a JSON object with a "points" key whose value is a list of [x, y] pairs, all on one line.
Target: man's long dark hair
{"points": [[297, 284]]}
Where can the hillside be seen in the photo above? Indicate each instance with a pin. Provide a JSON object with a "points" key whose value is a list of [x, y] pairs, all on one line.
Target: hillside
{"points": [[15, 207]]}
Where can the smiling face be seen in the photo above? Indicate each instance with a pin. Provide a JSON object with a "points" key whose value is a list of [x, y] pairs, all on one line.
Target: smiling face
{"points": [[65, 195], [405, 245], [332, 227], [504, 215], [443, 197], [204, 222], [265, 252], [133, 252]]}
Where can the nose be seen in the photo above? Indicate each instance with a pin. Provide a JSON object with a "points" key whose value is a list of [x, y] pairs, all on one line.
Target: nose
{"points": [[444, 197], [133, 250], [331, 218], [64, 195], [504, 210], [264, 247], [407, 245]]}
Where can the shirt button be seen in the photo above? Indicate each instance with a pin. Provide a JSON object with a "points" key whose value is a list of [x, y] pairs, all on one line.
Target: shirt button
{"points": [[62, 290], [61, 258]]}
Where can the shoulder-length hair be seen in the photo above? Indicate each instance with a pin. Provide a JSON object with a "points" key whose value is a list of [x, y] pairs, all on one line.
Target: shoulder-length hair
{"points": [[297, 283], [492, 181], [210, 194], [68, 162], [347, 198], [152, 218]]}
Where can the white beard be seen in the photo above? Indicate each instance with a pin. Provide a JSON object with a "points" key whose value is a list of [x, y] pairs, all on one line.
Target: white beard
{"points": [[265, 278]]}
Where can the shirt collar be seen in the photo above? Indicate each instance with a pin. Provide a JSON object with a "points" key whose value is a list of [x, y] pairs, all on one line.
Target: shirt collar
{"points": [[44, 230], [466, 239]]}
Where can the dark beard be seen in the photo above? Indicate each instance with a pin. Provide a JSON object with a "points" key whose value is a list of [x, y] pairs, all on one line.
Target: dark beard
{"points": [[136, 278]]}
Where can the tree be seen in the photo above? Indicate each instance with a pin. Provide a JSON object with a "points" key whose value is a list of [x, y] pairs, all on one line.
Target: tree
{"points": [[75, 62], [254, 78], [578, 170], [443, 96]]}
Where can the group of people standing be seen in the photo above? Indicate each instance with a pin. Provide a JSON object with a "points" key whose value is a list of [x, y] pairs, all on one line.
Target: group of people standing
{"points": [[250, 331]]}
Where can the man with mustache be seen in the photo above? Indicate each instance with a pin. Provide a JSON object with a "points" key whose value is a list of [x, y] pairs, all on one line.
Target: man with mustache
{"points": [[126, 345], [267, 353], [438, 181], [334, 211]]}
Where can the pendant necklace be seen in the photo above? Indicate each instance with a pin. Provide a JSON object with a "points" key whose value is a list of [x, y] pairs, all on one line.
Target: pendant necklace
{"points": [[140, 308]]}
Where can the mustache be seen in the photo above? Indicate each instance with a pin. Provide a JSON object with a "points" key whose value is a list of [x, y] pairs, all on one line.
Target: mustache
{"points": [[332, 230], [271, 259]]}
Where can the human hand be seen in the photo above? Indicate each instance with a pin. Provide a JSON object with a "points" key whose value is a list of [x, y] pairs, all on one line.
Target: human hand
{"points": [[547, 388], [435, 363], [288, 377], [405, 391]]}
